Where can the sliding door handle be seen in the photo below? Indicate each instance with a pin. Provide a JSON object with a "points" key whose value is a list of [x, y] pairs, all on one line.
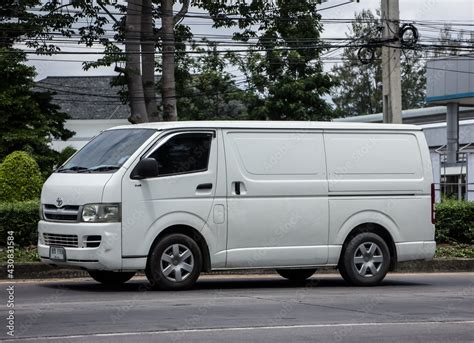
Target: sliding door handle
{"points": [[237, 187]]}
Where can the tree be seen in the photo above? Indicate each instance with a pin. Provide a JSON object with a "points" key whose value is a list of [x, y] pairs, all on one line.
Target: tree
{"points": [[413, 75], [359, 86], [141, 39], [28, 118], [285, 73], [207, 90], [292, 84], [17, 21], [134, 26]]}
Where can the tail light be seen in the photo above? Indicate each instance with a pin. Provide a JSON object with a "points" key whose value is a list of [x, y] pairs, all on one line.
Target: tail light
{"points": [[433, 204]]}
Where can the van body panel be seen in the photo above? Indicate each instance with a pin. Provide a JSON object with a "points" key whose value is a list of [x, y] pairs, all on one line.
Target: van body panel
{"points": [[277, 257], [75, 189], [347, 214], [374, 162], [409, 251], [151, 205], [281, 207], [396, 214]]}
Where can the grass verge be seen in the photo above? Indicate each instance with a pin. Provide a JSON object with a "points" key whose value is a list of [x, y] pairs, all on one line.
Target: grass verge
{"points": [[454, 251]]}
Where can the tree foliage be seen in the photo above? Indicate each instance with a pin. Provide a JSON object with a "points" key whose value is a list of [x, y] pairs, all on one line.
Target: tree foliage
{"points": [[28, 118], [359, 86], [17, 20], [285, 80], [285, 75], [207, 90], [65, 154]]}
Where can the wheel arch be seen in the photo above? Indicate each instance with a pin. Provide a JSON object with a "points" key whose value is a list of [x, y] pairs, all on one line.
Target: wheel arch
{"points": [[191, 233], [378, 229]]}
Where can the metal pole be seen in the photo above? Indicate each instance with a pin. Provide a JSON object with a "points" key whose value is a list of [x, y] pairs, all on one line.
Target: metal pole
{"points": [[470, 176], [392, 97], [452, 123]]}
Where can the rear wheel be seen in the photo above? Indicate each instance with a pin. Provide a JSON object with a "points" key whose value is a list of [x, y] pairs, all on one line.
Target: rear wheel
{"points": [[365, 260], [110, 278], [296, 274], [175, 263]]}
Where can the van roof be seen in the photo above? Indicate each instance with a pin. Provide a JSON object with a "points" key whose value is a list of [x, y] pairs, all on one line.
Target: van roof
{"points": [[242, 124]]}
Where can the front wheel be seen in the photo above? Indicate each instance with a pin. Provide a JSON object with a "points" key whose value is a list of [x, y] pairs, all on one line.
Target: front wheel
{"points": [[365, 260], [174, 263], [110, 278], [296, 274]]}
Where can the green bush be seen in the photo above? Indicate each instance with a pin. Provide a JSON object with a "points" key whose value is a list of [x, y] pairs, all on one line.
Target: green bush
{"points": [[65, 154], [22, 218], [455, 222], [20, 178]]}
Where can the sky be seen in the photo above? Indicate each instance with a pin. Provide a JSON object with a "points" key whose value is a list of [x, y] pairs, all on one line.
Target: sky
{"points": [[445, 10]]}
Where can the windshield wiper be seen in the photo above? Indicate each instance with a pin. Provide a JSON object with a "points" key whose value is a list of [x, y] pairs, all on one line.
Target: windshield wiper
{"points": [[74, 169], [79, 169], [102, 168]]}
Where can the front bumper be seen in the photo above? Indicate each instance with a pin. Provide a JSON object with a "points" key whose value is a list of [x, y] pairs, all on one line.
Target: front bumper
{"points": [[107, 256]]}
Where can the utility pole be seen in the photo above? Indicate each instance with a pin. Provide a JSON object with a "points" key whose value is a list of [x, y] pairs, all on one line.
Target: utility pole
{"points": [[392, 88]]}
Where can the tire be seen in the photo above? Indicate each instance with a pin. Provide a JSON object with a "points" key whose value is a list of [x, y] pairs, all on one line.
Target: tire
{"points": [[365, 260], [297, 275], [110, 278], [174, 263]]}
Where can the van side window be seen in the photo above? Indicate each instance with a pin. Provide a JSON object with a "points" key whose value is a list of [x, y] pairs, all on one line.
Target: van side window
{"points": [[184, 153]]}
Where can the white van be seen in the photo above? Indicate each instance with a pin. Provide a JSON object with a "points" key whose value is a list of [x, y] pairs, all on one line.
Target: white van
{"points": [[176, 199]]}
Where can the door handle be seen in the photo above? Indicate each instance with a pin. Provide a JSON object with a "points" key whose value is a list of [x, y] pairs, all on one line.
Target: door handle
{"points": [[237, 187], [204, 187]]}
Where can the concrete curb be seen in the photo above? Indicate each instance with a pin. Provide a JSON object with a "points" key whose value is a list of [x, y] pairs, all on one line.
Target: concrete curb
{"points": [[38, 270]]}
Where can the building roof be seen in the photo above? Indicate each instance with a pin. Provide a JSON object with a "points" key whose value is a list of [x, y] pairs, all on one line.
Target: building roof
{"points": [[86, 97], [418, 116], [243, 124]]}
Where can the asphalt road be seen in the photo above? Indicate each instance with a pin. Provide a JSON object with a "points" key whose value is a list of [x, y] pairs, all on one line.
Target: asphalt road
{"points": [[406, 307]]}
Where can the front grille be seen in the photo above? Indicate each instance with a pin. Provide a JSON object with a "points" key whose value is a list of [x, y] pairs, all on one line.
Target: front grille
{"points": [[67, 213], [70, 241]]}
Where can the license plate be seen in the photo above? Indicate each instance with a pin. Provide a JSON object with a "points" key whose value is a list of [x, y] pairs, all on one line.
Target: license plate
{"points": [[57, 254]]}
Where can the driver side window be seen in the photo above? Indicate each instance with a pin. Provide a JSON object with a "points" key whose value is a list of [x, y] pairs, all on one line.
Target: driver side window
{"points": [[184, 153]]}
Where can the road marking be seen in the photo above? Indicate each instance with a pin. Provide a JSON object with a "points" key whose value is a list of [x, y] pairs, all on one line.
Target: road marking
{"points": [[248, 328]]}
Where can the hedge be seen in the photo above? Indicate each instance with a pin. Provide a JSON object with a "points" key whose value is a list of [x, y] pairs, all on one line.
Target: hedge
{"points": [[455, 222], [22, 218]]}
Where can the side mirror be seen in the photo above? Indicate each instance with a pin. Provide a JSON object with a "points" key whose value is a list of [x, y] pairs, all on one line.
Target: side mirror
{"points": [[148, 167]]}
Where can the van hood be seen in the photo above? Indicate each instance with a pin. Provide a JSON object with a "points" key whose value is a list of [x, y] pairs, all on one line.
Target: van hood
{"points": [[74, 188]]}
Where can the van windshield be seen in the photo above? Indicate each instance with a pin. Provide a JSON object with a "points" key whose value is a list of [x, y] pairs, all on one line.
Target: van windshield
{"points": [[107, 152]]}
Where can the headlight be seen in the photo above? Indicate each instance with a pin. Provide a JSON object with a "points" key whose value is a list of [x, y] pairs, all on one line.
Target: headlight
{"points": [[101, 213]]}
